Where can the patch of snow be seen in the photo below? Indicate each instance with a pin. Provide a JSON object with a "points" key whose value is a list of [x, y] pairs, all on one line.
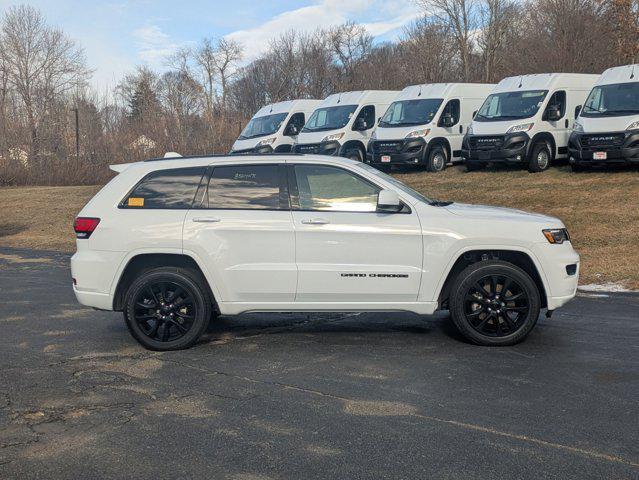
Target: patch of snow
{"points": [[604, 287]]}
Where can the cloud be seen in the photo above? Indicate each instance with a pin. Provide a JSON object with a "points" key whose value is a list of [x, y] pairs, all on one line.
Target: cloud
{"points": [[154, 45], [373, 14]]}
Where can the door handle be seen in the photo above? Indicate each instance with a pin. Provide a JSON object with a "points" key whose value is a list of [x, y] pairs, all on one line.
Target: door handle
{"points": [[461, 129], [315, 221], [206, 220], [567, 123]]}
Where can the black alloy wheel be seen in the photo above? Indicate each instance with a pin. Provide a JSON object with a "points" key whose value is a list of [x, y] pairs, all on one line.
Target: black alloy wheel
{"points": [[493, 302], [496, 305], [168, 308]]}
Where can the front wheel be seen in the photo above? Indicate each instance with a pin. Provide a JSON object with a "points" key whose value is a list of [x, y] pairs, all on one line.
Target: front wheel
{"points": [[167, 308], [494, 303], [437, 159], [355, 154], [540, 158]]}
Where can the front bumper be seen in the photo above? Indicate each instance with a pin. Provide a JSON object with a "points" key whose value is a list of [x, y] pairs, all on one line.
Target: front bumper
{"points": [[322, 148], [619, 147], [509, 148], [409, 151], [560, 265]]}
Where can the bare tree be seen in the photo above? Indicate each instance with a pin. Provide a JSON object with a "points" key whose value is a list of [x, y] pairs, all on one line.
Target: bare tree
{"points": [[42, 63], [461, 19], [623, 17], [205, 58], [350, 43], [227, 55], [498, 21]]}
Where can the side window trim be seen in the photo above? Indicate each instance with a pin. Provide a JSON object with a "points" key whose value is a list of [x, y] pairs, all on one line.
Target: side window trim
{"points": [[123, 203], [563, 104], [283, 184]]}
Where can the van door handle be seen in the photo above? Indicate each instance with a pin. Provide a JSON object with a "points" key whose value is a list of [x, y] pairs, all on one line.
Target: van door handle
{"points": [[567, 123], [315, 221], [206, 220], [461, 129]]}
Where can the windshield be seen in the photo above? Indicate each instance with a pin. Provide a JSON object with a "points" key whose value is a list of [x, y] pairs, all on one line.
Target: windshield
{"points": [[329, 118], [260, 126], [612, 100], [511, 105], [396, 183], [411, 112]]}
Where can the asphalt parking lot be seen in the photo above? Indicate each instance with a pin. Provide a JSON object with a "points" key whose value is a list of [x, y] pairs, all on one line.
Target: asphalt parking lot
{"points": [[305, 396]]}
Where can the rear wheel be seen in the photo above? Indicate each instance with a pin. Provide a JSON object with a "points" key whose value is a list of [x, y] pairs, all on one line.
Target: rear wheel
{"points": [[167, 308], [437, 159], [540, 158], [494, 303]]}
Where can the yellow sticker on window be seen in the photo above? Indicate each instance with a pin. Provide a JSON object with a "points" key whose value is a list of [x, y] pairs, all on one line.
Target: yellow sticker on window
{"points": [[136, 202]]}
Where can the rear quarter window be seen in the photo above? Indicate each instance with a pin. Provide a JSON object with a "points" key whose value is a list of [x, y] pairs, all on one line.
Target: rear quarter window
{"points": [[165, 189]]}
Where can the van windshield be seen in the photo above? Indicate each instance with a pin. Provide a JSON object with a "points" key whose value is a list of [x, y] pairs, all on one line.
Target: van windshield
{"points": [[410, 112], [265, 125], [613, 100], [329, 118], [511, 105]]}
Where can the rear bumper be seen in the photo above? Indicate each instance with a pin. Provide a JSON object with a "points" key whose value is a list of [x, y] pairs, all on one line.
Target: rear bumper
{"points": [[94, 273], [624, 152], [512, 149], [401, 152]]}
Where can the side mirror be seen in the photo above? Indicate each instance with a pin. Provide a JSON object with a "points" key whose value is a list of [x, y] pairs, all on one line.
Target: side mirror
{"points": [[360, 124], [577, 110], [388, 201], [553, 113], [291, 130], [447, 120]]}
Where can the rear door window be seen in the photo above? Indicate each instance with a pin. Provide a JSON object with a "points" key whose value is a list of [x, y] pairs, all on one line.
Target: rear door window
{"points": [[248, 187], [166, 189]]}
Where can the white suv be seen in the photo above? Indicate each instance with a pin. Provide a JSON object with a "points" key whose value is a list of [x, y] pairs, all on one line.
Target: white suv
{"points": [[173, 242]]}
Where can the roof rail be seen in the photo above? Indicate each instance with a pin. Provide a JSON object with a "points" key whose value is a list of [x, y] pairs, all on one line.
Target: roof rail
{"points": [[223, 155]]}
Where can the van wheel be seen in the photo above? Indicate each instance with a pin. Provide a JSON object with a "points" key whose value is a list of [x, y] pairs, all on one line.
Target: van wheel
{"points": [[540, 158], [494, 303], [474, 166], [437, 159], [354, 154], [167, 308]]}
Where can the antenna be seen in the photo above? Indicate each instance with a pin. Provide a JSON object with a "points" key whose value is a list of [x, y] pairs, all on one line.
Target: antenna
{"points": [[632, 73], [420, 91], [339, 97], [520, 81]]}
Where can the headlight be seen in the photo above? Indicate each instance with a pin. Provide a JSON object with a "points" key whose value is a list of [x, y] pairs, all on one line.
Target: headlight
{"points": [[577, 127], [266, 141], [524, 127], [333, 138], [469, 130], [556, 235], [633, 126], [418, 133]]}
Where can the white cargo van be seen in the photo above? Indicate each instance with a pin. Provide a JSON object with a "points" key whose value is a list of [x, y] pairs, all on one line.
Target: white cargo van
{"points": [[342, 124], [526, 120], [425, 125], [274, 127], [607, 130]]}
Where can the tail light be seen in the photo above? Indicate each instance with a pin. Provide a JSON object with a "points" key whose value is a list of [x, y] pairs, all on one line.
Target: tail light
{"points": [[84, 226]]}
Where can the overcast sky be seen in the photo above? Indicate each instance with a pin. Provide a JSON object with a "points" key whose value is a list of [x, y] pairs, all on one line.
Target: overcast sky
{"points": [[117, 35]]}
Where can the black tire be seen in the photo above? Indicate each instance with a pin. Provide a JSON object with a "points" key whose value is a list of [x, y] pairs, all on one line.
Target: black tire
{"points": [[540, 158], [437, 159], [474, 166], [156, 320], [354, 154], [480, 311]]}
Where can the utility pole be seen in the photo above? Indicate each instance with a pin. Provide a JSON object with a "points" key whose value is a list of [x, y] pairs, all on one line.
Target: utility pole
{"points": [[77, 133]]}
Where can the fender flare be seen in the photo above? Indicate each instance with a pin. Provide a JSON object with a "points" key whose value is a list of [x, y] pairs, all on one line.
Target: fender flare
{"points": [[353, 144], [546, 137], [438, 141], [468, 248]]}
